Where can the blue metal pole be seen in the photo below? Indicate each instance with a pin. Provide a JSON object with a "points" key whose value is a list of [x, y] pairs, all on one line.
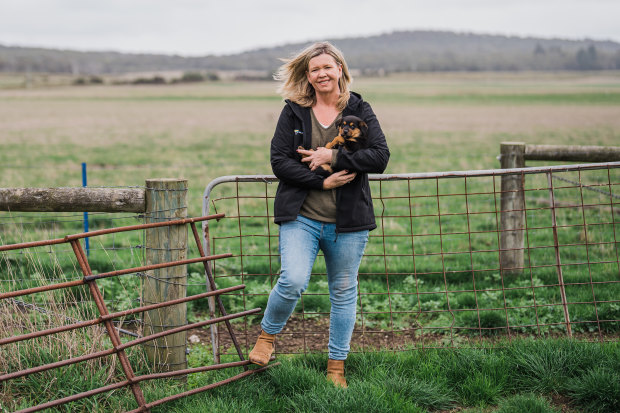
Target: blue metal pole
{"points": [[84, 184]]}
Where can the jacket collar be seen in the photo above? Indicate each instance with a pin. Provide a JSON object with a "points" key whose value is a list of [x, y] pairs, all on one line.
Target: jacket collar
{"points": [[353, 105]]}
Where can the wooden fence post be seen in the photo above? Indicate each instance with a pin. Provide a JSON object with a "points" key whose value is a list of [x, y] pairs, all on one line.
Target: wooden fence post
{"points": [[512, 222], [165, 201]]}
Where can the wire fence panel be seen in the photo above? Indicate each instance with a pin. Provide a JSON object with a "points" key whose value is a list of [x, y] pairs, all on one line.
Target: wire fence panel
{"points": [[48, 350], [432, 275], [26, 268]]}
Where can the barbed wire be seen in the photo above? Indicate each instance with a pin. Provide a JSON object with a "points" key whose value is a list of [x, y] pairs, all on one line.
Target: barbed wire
{"points": [[588, 187]]}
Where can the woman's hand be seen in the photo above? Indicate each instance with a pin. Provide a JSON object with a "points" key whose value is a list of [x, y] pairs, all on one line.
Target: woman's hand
{"points": [[338, 179], [316, 158]]}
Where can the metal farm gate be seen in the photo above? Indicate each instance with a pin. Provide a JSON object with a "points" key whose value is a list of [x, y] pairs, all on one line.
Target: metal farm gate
{"points": [[454, 260], [118, 348]]}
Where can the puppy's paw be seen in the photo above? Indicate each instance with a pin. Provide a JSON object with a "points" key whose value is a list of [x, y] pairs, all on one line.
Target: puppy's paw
{"points": [[324, 170]]}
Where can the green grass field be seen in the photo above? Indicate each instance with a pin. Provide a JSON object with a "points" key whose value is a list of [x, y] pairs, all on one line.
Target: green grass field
{"points": [[518, 376], [433, 122]]}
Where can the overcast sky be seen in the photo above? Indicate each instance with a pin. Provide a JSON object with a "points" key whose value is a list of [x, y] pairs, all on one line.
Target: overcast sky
{"points": [[200, 27]]}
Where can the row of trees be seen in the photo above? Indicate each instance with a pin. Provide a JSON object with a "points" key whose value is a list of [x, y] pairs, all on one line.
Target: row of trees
{"points": [[395, 52]]}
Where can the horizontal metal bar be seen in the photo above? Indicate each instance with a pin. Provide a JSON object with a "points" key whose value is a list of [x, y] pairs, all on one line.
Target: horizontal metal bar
{"points": [[49, 331], [101, 319], [57, 364], [183, 372], [173, 302], [418, 175], [74, 397], [494, 172], [42, 288], [88, 278], [69, 238], [156, 266], [143, 226], [202, 389], [136, 379], [186, 327], [132, 343], [32, 244]]}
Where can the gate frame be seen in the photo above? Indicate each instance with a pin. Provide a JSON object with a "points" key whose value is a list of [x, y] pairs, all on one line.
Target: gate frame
{"points": [[105, 318], [518, 173]]}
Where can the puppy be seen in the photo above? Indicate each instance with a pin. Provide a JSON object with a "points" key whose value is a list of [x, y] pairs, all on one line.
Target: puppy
{"points": [[352, 134]]}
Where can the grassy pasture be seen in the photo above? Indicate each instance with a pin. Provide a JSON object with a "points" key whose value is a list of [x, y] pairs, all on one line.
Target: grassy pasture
{"points": [[433, 122]]}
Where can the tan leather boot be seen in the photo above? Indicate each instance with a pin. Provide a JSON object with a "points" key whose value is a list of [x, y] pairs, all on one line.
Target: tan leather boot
{"points": [[335, 373], [261, 353]]}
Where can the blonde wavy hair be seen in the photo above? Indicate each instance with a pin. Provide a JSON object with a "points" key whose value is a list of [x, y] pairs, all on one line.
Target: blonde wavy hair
{"points": [[293, 76]]}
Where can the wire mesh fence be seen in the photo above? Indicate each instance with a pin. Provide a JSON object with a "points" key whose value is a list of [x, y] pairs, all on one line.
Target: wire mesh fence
{"points": [[27, 268], [431, 275]]}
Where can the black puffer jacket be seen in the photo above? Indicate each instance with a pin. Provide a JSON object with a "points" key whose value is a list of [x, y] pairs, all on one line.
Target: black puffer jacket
{"points": [[354, 203]]}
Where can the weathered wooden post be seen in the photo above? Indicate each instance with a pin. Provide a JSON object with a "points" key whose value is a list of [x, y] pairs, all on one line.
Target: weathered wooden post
{"points": [[512, 222], [165, 201]]}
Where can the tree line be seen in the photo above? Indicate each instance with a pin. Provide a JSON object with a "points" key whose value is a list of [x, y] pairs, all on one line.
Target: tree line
{"points": [[405, 51]]}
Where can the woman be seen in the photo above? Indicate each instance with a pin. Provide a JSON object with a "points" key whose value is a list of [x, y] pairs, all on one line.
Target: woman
{"points": [[333, 214]]}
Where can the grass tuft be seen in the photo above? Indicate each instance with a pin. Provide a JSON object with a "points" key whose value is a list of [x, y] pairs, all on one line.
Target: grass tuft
{"points": [[529, 403], [597, 390], [542, 366]]}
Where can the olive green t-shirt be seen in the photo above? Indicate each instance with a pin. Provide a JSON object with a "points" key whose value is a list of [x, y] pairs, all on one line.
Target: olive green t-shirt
{"points": [[320, 204]]}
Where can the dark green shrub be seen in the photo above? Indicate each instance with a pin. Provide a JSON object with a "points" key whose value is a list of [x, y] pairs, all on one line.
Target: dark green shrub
{"points": [[155, 80], [189, 77]]}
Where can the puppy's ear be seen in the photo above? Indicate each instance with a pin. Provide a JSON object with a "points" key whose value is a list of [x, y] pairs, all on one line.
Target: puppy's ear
{"points": [[364, 127]]}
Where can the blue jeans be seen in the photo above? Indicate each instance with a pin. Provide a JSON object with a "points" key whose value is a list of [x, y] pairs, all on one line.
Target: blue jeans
{"points": [[300, 241]]}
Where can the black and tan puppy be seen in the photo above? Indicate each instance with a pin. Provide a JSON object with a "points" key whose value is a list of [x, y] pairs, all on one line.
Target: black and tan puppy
{"points": [[352, 134]]}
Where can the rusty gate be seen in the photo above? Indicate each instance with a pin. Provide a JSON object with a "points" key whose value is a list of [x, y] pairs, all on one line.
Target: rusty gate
{"points": [[432, 275], [131, 380]]}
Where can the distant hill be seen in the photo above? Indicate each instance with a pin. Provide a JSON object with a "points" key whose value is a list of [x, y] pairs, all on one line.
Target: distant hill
{"points": [[401, 51]]}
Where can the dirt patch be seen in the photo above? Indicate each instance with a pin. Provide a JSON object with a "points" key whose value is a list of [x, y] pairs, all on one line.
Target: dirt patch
{"points": [[562, 403], [301, 336], [311, 335]]}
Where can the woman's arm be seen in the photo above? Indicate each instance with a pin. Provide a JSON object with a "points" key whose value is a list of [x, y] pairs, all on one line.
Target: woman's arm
{"points": [[285, 161]]}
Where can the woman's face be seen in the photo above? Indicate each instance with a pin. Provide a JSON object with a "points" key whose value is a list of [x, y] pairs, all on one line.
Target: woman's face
{"points": [[324, 73]]}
